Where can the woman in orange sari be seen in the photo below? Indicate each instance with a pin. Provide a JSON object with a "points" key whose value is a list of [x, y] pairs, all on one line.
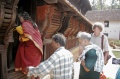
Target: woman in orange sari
{"points": [[30, 51]]}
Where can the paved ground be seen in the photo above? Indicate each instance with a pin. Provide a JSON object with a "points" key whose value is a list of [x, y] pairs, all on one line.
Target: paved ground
{"points": [[111, 69]]}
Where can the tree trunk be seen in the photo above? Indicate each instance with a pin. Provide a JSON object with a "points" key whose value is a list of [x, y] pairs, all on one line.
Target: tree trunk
{"points": [[101, 5]]}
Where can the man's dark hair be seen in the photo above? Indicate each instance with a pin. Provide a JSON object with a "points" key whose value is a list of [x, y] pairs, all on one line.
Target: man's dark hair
{"points": [[59, 38]]}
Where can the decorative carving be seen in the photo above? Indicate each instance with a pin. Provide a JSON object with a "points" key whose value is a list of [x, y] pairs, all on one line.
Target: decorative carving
{"points": [[65, 22], [7, 17], [72, 27], [1, 12], [49, 19]]}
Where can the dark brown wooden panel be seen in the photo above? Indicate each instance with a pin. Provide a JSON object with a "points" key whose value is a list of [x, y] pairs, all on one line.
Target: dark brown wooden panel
{"points": [[8, 10], [48, 51], [5, 24], [3, 66], [8, 6]]}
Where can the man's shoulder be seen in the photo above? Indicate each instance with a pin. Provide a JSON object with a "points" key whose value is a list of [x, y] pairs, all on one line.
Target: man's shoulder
{"points": [[63, 49], [92, 50], [63, 52], [105, 37]]}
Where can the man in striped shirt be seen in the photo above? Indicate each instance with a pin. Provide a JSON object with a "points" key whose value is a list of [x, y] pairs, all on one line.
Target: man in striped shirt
{"points": [[60, 63]]}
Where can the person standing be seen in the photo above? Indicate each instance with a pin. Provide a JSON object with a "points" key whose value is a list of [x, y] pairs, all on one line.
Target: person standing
{"points": [[100, 40], [30, 50], [60, 63], [92, 60]]}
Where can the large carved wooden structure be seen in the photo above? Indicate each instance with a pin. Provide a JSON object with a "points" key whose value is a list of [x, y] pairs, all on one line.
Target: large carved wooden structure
{"points": [[7, 20], [58, 16]]}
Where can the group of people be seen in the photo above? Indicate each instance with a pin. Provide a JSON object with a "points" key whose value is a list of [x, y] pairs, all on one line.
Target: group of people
{"points": [[95, 53]]}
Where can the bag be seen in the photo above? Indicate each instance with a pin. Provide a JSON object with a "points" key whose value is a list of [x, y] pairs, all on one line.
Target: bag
{"points": [[108, 57], [102, 76]]}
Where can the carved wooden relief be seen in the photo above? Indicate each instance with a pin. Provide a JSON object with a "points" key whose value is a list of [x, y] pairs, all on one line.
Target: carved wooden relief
{"points": [[75, 27], [69, 29], [82, 27], [48, 19], [7, 19], [65, 22]]}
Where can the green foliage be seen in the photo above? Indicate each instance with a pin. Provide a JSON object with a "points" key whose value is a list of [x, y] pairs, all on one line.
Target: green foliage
{"points": [[117, 54], [109, 78], [102, 5], [117, 42], [114, 42]]}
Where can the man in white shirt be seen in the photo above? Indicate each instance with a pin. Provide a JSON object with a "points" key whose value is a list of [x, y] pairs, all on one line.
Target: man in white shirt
{"points": [[100, 40]]}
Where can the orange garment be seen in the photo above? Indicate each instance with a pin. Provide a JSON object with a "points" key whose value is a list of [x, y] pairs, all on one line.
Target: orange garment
{"points": [[21, 37]]}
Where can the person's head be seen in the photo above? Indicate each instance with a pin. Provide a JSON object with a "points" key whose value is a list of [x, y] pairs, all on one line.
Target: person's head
{"points": [[24, 16], [97, 28], [58, 40], [84, 38]]}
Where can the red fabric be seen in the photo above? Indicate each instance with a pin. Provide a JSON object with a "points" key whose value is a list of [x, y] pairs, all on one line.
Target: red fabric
{"points": [[28, 53], [30, 31]]}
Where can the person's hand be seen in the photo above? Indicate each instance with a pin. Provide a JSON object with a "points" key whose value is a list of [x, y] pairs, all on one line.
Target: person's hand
{"points": [[32, 77], [105, 62], [77, 59], [83, 63], [27, 70]]}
